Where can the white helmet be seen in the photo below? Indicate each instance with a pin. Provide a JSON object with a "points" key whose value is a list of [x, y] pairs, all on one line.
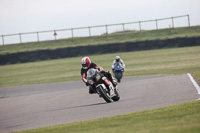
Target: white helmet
{"points": [[117, 58]]}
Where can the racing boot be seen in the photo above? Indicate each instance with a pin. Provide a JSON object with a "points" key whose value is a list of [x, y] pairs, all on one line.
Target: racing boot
{"points": [[91, 90]]}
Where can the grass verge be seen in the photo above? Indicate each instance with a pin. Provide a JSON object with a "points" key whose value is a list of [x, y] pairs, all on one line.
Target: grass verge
{"points": [[3, 97], [103, 39], [181, 118], [151, 62]]}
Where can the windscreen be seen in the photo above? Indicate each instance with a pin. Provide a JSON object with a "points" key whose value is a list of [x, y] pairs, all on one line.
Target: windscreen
{"points": [[91, 72]]}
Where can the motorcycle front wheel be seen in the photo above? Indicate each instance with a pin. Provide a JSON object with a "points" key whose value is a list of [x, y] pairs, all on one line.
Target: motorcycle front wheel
{"points": [[118, 76], [104, 94]]}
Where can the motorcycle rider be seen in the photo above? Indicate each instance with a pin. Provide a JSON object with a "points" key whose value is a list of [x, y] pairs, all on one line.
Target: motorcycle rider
{"points": [[86, 65], [118, 60]]}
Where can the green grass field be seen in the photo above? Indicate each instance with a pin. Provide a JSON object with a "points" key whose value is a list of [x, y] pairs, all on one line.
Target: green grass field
{"points": [[103, 39], [152, 62], [182, 118]]}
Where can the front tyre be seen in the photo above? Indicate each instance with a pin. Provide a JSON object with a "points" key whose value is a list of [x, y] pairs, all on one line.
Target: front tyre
{"points": [[118, 76], [118, 80], [104, 94]]}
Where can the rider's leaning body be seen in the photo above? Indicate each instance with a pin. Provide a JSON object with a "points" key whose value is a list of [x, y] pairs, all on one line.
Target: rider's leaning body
{"points": [[116, 61], [86, 65]]}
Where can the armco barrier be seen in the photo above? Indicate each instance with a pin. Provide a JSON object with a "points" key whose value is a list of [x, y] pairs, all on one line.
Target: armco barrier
{"points": [[38, 55]]}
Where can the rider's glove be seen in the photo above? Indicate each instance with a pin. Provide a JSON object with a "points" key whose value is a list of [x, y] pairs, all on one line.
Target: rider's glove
{"points": [[113, 70], [87, 84]]}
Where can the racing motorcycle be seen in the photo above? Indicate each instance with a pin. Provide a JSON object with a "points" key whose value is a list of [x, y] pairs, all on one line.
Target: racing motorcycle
{"points": [[118, 72], [102, 85]]}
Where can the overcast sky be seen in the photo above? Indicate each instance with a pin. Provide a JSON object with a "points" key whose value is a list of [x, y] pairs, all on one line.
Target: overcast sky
{"points": [[18, 16]]}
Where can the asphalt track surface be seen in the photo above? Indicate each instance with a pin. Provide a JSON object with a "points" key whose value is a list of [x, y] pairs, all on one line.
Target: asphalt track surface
{"points": [[42, 105]]}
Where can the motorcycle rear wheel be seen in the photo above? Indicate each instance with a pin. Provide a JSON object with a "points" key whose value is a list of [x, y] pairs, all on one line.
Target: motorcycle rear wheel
{"points": [[117, 97]]}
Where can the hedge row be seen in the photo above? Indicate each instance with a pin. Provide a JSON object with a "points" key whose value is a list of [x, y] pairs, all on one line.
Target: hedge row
{"points": [[23, 57]]}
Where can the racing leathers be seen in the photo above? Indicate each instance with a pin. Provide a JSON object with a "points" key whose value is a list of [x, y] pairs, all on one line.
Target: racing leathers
{"points": [[95, 66]]}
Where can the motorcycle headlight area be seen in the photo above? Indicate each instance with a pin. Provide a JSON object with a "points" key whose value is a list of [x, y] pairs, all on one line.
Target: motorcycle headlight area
{"points": [[90, 82], [98, 77]]}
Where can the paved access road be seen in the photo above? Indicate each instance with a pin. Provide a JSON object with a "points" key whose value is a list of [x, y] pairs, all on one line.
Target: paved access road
{"points": [[35, 106]]}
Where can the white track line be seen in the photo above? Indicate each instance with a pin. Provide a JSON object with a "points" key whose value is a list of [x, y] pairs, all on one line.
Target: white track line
{"points": [[194, 83]]}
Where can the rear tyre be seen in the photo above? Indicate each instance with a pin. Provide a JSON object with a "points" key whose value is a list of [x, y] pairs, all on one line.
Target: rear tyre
{"points": [[117, 97], [104, 94]]}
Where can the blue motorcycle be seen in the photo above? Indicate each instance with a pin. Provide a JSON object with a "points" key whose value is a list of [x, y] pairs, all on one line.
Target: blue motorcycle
{"points": [[118, 71]]}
